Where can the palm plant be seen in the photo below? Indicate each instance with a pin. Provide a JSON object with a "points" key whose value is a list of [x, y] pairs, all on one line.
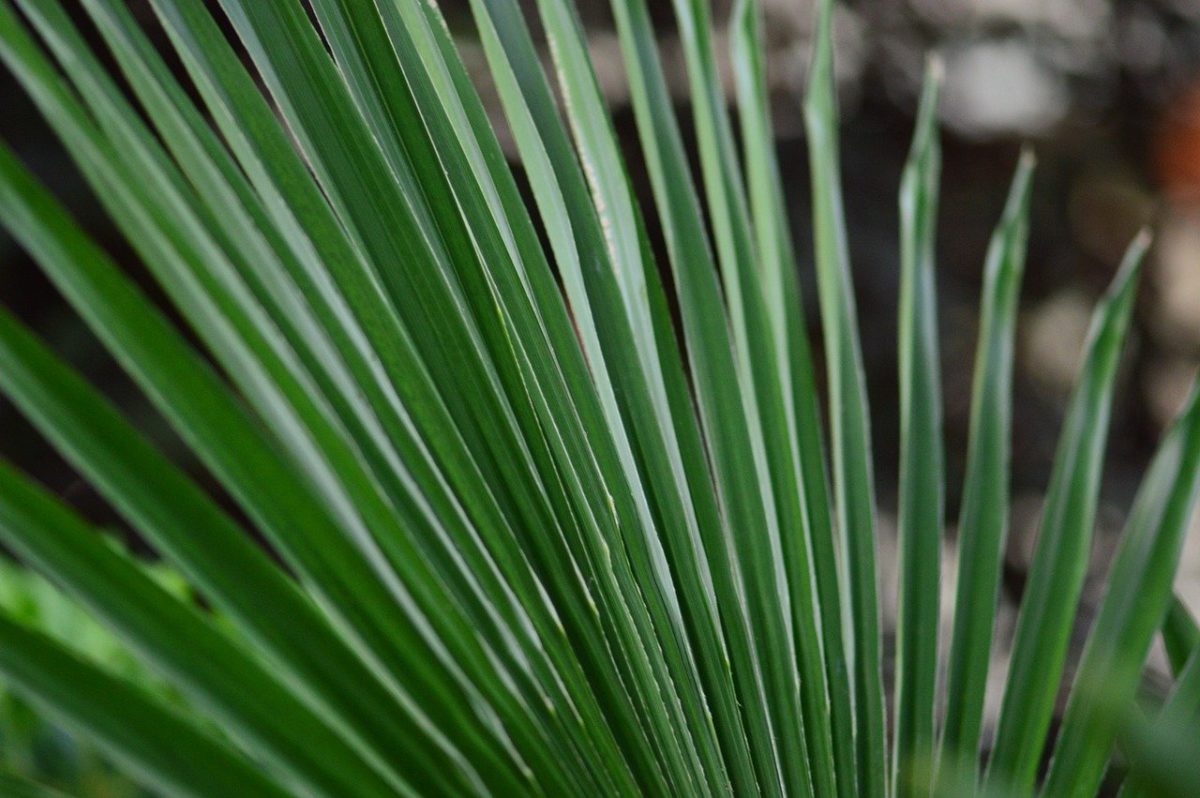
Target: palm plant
{"points": [[528, 534]]}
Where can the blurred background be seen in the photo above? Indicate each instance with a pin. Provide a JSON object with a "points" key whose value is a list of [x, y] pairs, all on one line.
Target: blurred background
{"points": [[1106, 91]]}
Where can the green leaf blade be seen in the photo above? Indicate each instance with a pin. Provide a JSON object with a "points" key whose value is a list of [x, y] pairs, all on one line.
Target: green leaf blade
{"points": [[853, 478], [216, 674], [1180, 710], [724, 396], [156, 743], [225, 564], [1138, 594], [922, 467], [1180, 635], [798, 457], [1061, 556], [983, 519]]}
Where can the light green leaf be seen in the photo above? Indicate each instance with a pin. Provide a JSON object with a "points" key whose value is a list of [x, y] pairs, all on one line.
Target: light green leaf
{"points": [[1180, 635], [1064, 542], [159, 746], [260, 713], [1136, 599], [922, 466], [15, 786], [850, 437], [983, 517]]}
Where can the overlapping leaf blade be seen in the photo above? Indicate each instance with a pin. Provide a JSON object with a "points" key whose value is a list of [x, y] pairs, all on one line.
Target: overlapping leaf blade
{"points": [[781, 590], [719, 385], [1138, 592], [232, 572], [1180, 635], [1180, 710], [583, 259], [1064, 542], [785, 307], [922, 471], [983, 518], [678, 459], [258, 712], [18, 787], [475, 140], [850, 438], [152, 740], [1165, 754], [202, 410]]}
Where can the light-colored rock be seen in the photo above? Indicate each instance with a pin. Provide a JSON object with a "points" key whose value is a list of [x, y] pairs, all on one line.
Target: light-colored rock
{"points": [[1176, 274], [999, 88], [1053, 336]]}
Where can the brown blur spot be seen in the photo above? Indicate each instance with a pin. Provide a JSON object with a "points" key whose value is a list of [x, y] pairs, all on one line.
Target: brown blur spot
{"points": [[1177, 148]]}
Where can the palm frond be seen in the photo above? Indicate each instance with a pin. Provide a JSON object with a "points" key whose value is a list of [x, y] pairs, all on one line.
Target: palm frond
{"points": [[505, 525]]}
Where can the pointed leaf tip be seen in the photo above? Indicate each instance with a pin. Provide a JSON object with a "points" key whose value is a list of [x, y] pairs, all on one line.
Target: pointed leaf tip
{"points": [[1028, 159], [935, 68]]}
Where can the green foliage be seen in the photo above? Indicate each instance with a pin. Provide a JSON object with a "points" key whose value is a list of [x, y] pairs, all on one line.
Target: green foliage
{"points": [[29, 743], [535, 536]]}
